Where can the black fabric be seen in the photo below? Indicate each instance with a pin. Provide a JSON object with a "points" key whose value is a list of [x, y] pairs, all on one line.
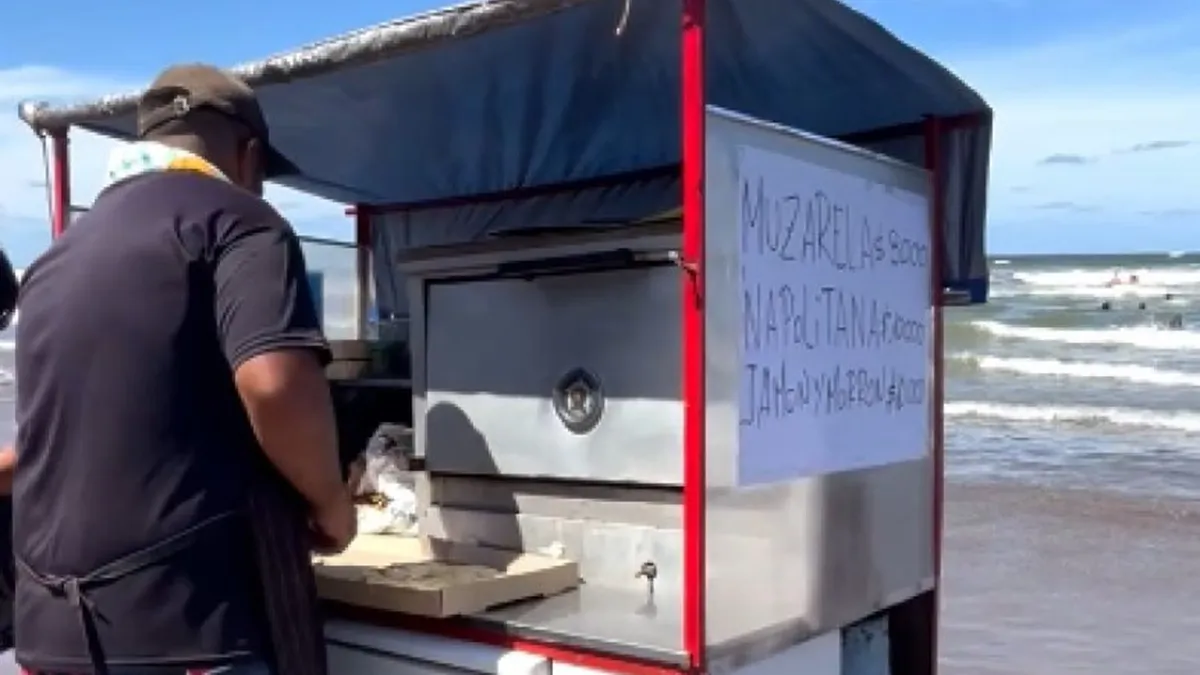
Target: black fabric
{"points": [[76, 590], [8, 579], [130, 429], [9, 285]]}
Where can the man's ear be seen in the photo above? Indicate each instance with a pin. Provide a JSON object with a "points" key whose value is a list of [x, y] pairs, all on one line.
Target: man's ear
{"points": [[250, 166]]}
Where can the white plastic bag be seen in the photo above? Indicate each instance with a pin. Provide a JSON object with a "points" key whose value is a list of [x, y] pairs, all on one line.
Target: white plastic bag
{"points": [[385, 473]]}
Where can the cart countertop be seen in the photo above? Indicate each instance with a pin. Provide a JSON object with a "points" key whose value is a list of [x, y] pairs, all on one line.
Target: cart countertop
{"points": [[606, 620]]}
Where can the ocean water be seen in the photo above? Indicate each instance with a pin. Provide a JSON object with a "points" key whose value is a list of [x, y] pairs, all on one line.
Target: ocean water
{"points": [[1044, 387], [1073, 454]]}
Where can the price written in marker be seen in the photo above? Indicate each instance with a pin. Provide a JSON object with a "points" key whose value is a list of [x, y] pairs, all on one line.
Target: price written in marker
{"points": [[835, 310]]}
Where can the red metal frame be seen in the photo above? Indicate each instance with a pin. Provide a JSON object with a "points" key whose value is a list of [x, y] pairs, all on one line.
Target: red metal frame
{"points": [[914, 128], [933, 163], [692, 99], [60, 183]]}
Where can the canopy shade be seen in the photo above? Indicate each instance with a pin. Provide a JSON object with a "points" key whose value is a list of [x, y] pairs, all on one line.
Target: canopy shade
{"points": [[560, 99]]}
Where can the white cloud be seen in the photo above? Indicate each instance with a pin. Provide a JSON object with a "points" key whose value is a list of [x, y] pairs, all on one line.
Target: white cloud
{"points": [[23, 201], [1093, 96]]}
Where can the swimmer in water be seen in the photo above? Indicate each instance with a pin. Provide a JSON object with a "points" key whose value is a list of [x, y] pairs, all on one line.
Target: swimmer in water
{"points": [[1176, 322], [1105, 306], [1141, 305]]}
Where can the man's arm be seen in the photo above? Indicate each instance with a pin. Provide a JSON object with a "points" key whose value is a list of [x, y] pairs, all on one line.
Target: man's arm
{"points": [[273, 341]]}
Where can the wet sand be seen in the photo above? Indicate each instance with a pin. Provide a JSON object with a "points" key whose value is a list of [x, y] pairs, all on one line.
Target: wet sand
{"points": [[1044, 581]]}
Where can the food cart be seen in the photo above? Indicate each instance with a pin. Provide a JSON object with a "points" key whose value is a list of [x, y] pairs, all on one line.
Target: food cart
{"points": [[669, 279]]}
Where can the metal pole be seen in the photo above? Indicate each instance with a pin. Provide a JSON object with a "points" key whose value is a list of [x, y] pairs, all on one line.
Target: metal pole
{"points": [[60, 182], [933, 162], [692, 99], [362, 269]]}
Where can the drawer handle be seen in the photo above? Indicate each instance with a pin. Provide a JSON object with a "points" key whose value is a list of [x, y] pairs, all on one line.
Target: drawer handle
{"points": [[584, 262]]}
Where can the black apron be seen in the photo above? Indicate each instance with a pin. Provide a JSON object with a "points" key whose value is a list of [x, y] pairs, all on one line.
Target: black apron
{"points": [[8, 576], [74, 589], [294, 642]]}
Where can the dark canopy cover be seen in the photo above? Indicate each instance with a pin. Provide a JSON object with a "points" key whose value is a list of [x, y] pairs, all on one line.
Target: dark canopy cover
{"points": [[583, 95]]}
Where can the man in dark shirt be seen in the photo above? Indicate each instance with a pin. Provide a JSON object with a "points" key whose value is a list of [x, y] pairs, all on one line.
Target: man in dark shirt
{"points": [[168, 354]]}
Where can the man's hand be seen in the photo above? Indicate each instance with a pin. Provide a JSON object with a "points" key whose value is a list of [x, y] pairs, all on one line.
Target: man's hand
{"points": [[334, 525]]}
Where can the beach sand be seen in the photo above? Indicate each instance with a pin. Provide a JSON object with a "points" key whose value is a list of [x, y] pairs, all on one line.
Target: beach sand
{"points": [[1049, 582]]}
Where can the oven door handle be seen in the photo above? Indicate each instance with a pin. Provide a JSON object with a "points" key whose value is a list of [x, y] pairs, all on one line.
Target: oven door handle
{"points": [[602, 261]]}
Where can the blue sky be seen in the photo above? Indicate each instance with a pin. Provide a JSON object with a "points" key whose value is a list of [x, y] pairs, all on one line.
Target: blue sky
{"points": [[1097, 137]]}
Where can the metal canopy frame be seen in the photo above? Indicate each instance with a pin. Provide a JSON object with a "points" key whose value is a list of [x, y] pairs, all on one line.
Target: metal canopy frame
{"points": [[464, 24]]}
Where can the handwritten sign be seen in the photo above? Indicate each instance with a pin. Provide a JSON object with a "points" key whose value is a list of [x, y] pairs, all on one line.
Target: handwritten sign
{"points": [[835, 335]]}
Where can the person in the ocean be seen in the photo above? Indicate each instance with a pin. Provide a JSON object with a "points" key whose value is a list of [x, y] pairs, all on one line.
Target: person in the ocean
{"points": [[1105, 306], [1176, 322]]}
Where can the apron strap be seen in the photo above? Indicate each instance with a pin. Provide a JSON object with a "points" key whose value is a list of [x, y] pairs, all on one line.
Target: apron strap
{"points": [[74, 589]]}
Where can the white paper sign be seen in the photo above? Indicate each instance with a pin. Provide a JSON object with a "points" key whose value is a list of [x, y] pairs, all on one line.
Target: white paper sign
{"points": [[835, 344]]}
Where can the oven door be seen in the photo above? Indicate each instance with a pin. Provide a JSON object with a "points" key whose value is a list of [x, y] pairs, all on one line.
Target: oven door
{"points": [[569, 376]]}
